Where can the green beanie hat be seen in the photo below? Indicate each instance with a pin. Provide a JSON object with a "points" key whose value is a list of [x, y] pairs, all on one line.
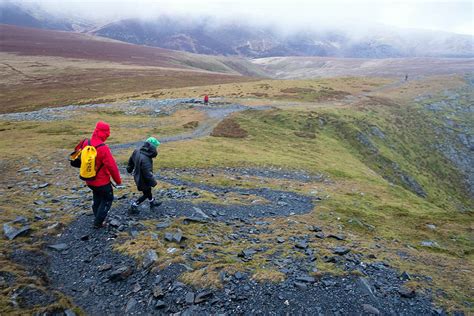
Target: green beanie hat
{"points": [[153, 141]]}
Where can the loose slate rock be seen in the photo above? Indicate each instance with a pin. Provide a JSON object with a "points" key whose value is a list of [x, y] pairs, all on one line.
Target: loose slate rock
{"points": [[301, 285], [202, 297], [120, 274], [150, 258], [114, 223], [131, 305], [160, 304], [369, 309], [341, 251], [191, 219], [168, 236], [406, 292], [320, 235], [301, 245], [315, 228], [69, 312], [158, 292], [189, 298], [104, 267], [11, 232], [59, 247], [405, 276], [337, 236], [306, 279], [163, 225], [178, 236]]}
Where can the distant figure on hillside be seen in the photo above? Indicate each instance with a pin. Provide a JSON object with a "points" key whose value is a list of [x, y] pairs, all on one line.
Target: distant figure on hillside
{"points": [[206, 99], [140, 164], [96, 159], [406, 77]]}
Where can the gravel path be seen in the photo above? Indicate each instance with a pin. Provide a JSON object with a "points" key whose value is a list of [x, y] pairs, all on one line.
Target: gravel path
{"points": [[104, 282], [216, 112]]}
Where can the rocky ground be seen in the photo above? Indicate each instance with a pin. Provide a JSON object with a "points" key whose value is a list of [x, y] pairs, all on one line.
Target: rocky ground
{"points": [[82, 263]]}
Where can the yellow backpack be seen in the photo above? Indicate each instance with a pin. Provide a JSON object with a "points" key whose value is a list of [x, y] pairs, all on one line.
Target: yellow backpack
{"points": [[88, 168]]}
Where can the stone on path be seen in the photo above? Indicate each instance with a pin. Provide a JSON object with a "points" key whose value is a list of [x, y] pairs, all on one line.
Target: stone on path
{"points": [[306, 279], [158, 292], [120, 274], [202, 297], [200, 212], [160, 304], [130, 305], [114, 223], [300, 285], [69, 312], [369, 309], [104, 267], [59, 247], [189, 298]]}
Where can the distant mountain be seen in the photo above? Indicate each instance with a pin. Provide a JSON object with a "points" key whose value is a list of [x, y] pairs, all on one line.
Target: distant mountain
{"points": [[33, 16], [210, 37], [39, 42]]}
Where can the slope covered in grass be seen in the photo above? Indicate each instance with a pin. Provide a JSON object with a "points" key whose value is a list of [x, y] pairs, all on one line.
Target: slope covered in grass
{"points": [[382, 181]]}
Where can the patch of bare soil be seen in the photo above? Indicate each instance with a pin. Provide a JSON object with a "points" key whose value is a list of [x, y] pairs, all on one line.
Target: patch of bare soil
{"points": [[305, 135], [297, 90], [192, 124], [229, 128]]}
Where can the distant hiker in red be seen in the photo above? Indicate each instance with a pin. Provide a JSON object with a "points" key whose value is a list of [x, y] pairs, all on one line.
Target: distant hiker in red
{"points": [[106, 167], [206, 99]]}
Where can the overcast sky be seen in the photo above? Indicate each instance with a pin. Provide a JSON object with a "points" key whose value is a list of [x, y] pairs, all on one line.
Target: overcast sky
{"points": [[452, 16]]}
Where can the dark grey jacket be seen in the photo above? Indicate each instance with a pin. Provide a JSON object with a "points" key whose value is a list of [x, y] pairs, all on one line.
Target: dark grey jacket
{"points": [[141, 164]]}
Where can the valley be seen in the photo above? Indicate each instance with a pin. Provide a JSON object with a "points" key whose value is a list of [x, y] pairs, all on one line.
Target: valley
{"points": [[307, 185]]}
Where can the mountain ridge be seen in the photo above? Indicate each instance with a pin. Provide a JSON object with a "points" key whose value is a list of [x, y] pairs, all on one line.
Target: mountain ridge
{"points": [[213, 36]]}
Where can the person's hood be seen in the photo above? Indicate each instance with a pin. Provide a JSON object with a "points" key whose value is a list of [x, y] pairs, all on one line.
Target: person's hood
{"points": [[101, 131], [149, 150]]}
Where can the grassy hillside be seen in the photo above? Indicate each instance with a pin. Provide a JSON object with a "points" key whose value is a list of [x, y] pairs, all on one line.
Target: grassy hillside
{"points": [[43, 68], [381, 183], [310, 67]]}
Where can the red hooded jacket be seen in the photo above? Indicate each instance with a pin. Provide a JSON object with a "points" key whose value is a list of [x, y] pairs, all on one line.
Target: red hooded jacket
{"points": [[104, 160]]}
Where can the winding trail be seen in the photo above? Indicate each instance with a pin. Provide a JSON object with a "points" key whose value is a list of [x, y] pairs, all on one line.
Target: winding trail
{"points": [[80, 268], [216, 112]]}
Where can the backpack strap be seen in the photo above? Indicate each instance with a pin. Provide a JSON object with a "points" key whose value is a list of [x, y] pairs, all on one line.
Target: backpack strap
{"points": [[98, 169]]}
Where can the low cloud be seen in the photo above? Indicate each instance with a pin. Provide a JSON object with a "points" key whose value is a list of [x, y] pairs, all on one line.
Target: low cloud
{"points": [[451, 16]]}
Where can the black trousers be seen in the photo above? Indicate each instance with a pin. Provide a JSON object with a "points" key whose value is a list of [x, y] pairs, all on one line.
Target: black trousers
{"points": [[103, 197], [146, 195]]}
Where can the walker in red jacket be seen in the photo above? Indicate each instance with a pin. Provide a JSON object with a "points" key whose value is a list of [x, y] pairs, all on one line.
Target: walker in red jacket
{"points": [[206, 99], [106, 166]]}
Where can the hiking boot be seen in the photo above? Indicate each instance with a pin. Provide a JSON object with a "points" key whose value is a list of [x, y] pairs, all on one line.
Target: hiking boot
{"points": [[101, 225], [154, 203], [133, 209]]}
